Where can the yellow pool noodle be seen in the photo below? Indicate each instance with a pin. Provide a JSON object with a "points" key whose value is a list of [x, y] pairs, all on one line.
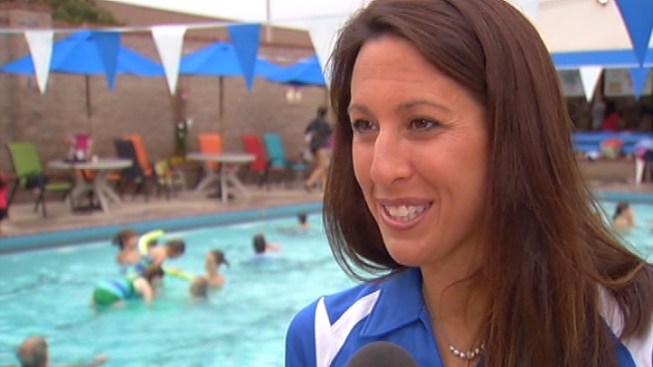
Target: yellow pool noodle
{"points": [[148, 237], [178, 273]]}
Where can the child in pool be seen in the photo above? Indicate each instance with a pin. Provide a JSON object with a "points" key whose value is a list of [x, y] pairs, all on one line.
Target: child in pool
{"points": [[302, 227], [624, 216], [127, 241], [172, 249], [212, 263], [262, 247], [151, 253], [199, 288], [116, 291]]}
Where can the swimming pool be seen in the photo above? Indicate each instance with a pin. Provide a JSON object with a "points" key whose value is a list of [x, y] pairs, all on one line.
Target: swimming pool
{"points": [[47, 292], [640, 238]]}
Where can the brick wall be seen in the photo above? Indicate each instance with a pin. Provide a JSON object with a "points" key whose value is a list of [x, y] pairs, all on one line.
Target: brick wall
{"points": [[143, 105]]}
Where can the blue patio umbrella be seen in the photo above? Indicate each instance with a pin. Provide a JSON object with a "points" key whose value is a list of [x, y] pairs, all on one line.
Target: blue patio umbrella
{"points": [[80, 54], [220, 59], [305, 72]]}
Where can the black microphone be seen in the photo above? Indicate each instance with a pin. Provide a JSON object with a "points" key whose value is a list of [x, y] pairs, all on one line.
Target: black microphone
{"points": [[382, 354]]}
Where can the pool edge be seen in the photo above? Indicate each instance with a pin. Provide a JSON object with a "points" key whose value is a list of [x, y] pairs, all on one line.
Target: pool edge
{"points": [[66, 237]]}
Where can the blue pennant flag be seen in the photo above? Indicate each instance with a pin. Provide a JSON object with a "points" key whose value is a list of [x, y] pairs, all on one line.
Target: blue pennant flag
{"points": [[245, 39], [108, 44], [638, 77], [638, 17]]}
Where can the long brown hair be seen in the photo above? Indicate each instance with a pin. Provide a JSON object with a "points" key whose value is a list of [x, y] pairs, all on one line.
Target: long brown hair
{"points": [[550, 251]]}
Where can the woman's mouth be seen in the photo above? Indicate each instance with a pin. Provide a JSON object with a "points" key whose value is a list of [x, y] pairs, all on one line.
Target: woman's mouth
{"points": [[403, 216]]}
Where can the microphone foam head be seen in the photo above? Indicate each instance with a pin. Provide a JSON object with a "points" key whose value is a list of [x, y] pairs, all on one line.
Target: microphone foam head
{"points": [[382, 354]]}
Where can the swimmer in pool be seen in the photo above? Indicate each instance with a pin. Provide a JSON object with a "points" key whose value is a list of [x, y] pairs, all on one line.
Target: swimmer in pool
{"points": [[127, 241], [263, 248], [172, 249], [624, 216], [199, 288], [154, 254], [116, 291], [212, 263], [302, 219], [33, 352], [302, 227]]}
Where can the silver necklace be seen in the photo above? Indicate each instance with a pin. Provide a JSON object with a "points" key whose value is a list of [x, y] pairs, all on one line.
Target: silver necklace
{"points": [[470, 355]]}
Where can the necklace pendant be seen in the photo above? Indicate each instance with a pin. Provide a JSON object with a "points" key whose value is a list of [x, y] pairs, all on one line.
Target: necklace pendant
{"points": [[470, 355]]}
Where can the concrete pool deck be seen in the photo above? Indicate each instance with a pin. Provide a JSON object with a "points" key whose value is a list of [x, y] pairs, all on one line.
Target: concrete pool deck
{"points": [[26, 228], [187, 209]]}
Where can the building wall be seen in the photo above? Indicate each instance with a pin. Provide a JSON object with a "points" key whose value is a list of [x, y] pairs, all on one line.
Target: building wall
{"points": [[143, 105]]}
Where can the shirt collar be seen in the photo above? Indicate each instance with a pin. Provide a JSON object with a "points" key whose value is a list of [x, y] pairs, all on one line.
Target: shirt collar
{"points": [[400, 303]]}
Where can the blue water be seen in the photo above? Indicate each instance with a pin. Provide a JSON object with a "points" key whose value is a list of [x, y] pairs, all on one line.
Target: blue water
{"points": [[244, 324], [640, 238]]}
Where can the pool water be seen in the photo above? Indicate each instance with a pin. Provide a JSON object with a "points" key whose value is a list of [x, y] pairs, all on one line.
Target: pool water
{"points": [[244, 324], [640, 238]]}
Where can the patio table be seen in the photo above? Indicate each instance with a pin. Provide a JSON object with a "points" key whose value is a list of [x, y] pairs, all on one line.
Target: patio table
{"points": [[99, 185], [227, 172]]}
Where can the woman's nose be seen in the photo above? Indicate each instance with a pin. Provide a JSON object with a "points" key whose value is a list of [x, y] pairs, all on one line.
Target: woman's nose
{"points": [[391, 159]]}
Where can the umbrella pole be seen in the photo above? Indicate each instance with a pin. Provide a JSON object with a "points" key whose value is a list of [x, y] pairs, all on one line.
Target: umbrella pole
{"points": [[220, 104], [89, 111]]}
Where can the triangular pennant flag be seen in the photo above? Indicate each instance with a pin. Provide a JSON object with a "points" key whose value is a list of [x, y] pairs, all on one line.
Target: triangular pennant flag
{"points": [[638, 77], [589, 76], [40, 47], [245, 38], [323, 35], [169, 41], [529, 8], [108, 44], [638, 18]]}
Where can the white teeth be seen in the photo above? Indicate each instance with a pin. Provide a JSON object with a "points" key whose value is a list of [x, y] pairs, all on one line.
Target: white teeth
{"points": [[405, 213]]}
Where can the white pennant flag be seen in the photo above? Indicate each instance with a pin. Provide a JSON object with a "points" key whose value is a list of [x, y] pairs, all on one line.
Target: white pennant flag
{"points": [[323, 34], [529, 8], [590, 75], [40, 47], [169, 41]]}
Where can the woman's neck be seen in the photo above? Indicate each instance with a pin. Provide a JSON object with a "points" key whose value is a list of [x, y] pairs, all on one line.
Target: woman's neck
{"points": [[456, 305]]}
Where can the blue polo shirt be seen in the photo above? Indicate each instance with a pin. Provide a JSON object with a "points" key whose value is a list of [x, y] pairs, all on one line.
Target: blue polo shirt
{"points": [[332, 329]]}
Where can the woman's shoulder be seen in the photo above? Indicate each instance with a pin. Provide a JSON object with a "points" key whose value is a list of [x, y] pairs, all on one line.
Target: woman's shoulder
{"points": [[638, 349], [336, 304]]}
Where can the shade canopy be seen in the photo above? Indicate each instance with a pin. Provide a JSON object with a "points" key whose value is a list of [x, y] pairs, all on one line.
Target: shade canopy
{"points": [[220, 59], [606, 58], [304, 72], [79, 53]]}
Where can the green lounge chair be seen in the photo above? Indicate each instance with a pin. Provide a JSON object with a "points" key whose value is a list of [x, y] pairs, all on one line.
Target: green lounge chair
{"points": [[31, 176]]}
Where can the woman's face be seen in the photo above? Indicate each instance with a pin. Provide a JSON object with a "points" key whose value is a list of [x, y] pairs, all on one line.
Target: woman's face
{"points": [[420, 154]]}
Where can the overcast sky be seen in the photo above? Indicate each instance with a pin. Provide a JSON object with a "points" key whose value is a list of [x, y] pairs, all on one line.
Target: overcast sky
{"points": [[288, 12]]}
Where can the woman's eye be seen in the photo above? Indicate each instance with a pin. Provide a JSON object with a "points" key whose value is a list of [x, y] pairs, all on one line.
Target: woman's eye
{"points": [[422, 124], [362, 126]]}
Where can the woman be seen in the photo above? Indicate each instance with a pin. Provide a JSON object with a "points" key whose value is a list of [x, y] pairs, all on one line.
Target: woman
{"points": [[451, 128]]}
